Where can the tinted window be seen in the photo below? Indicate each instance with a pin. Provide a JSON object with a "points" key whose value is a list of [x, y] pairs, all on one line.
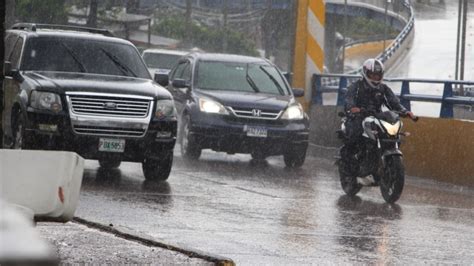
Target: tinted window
{"points": [[240, 77], [163, 61], [10, 41], [16, 53], [90, 56], [178, 72]]}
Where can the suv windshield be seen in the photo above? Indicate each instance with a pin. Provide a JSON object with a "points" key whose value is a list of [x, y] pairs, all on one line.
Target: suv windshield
{"points": [[164, 61], [249, 77], [86, 56]]}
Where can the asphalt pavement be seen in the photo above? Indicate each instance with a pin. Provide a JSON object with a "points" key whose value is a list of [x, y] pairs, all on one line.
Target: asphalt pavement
{"points": [[263, 213]]}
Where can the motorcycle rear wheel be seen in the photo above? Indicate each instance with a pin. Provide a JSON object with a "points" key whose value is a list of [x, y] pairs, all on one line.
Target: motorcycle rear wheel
{"points": [[393, 180]]}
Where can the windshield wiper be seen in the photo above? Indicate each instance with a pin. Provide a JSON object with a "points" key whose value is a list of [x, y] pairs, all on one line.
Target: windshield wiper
{"points": [[272, 78], [119, 64], [74, 56], [250, 80]]}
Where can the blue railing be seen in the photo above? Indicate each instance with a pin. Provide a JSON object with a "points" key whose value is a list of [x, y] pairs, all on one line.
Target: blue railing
{"points": [[448, 100]]}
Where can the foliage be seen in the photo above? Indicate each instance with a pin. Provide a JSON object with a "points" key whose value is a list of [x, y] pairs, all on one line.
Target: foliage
{"points": [[209, 39], [44, 11]]}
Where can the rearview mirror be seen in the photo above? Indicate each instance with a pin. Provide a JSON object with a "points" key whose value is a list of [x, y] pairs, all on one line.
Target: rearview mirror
{"points": [[180, 83], [162, 79], [298, 92], [9, 72]]}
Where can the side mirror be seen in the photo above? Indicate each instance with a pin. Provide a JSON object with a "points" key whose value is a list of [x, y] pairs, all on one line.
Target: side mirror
{"points": [[298, 92], [9, 72], [180, 83], [162, 79], [7, 69]]}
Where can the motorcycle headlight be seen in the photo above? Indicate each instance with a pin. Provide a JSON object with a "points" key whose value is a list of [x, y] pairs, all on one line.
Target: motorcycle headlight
{"points": [[212, 107], [46, 101], [165, 109], [294, 112], [392, 130]]}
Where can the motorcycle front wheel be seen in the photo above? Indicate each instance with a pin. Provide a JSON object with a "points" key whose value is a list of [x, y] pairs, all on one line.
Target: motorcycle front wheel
{"points": [[348, 180], [393, 180]]}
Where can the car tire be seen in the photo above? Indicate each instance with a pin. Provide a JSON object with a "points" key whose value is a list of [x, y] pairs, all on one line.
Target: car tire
{"points": [[294, 158], [20, 142], [158, 169], [189, 148], [109, 163]]}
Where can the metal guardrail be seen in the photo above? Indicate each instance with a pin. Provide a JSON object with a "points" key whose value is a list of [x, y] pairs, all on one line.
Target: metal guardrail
{"points": [[448, 100]]}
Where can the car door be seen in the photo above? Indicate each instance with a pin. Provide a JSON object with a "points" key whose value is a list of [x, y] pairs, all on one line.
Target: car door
{"points": [[180, 95]]}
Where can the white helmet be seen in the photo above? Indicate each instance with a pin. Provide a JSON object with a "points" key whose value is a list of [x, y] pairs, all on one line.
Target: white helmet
{"points": [[372, 71]]}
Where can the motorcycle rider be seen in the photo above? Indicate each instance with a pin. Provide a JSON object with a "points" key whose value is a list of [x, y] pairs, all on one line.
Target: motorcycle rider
{"points": [[368, 94]]}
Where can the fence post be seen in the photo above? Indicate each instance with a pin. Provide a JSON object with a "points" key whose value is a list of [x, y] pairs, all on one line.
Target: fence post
{"points": [[405, 91], [340, 91], [446, 107], [317, 90]]}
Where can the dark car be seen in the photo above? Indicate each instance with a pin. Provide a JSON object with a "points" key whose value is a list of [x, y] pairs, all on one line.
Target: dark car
{"points": [[82, 90], [237, 104]]}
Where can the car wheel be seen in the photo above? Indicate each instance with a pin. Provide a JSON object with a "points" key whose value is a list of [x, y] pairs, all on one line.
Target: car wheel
{"points": [[294, 158], [20, 142], [158, 169], [189, 148], [109, 163]]}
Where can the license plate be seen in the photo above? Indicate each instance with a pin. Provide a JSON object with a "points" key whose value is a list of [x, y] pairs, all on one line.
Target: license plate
{"points": [[112, 145], [258, 132]]}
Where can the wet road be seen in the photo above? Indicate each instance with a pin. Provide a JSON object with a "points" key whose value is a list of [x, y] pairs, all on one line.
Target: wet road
{"points": [[433, 53], [258, 213]]}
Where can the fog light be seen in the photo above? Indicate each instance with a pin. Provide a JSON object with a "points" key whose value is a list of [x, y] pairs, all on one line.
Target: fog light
{"points": [[46, 127], [163, 134]]}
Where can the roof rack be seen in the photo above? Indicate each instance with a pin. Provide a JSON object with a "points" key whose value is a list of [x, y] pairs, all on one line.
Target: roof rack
{"points": [[35, 26]]}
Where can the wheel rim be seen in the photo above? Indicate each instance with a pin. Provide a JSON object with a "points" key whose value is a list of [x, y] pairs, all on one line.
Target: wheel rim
{"points": [[18, 137], [185, 139], [390, 181]]}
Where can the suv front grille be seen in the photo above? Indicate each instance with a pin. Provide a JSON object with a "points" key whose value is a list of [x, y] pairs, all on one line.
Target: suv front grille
{"points": [[255, 113], [102, 105], [109, 131]]}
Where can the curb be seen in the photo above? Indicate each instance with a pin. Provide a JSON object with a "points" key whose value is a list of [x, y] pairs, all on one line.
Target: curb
{"points": [[149, 241]]}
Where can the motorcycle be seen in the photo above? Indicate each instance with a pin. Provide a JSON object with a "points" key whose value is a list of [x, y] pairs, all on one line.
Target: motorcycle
{"points": [[376, 160]]}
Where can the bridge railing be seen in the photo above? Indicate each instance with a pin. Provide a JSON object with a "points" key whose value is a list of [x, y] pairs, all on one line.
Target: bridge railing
{"points": [[448, 99]]}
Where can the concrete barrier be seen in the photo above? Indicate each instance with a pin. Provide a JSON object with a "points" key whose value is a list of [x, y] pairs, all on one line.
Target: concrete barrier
{"points": [[47, 182], [440, 149]]}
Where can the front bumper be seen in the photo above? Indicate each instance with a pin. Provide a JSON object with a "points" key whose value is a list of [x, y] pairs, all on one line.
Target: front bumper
{"points": [[229, 134], [55, 132]]}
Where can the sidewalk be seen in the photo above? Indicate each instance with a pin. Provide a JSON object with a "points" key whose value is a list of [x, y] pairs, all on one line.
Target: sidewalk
{"points": [[79, 244]]}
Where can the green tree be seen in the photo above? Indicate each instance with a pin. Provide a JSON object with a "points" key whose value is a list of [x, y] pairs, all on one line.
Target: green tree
{"points": [[42, 11], [207, 38]]}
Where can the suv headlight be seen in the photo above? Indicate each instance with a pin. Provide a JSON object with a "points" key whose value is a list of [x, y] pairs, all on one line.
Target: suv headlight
{"points": [[165, 109], [212, 107], [46, 101], [293, 112]]}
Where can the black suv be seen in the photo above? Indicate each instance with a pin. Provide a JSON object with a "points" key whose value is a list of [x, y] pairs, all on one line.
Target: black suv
{"points": [[237, 104], [82, 90]]}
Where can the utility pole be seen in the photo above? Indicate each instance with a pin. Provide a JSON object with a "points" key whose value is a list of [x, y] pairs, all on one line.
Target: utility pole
{"points": [[92, 18], [224, 26], [189, 10], [463, 44], [385, 25], [344, 32], [458, 38]]}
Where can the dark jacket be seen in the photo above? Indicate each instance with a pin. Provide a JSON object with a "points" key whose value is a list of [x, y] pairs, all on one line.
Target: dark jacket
{"points": [[360, 94]]}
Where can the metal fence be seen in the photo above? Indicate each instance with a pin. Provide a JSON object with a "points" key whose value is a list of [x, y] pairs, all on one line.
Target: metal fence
{"points": [[448, 99]]}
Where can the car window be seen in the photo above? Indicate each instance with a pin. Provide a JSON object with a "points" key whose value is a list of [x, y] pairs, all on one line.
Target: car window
{"points": [[187, 72], [10, 41], [162, 61], [16, 53], [178, 72], [89, 56], [240, 77]]}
